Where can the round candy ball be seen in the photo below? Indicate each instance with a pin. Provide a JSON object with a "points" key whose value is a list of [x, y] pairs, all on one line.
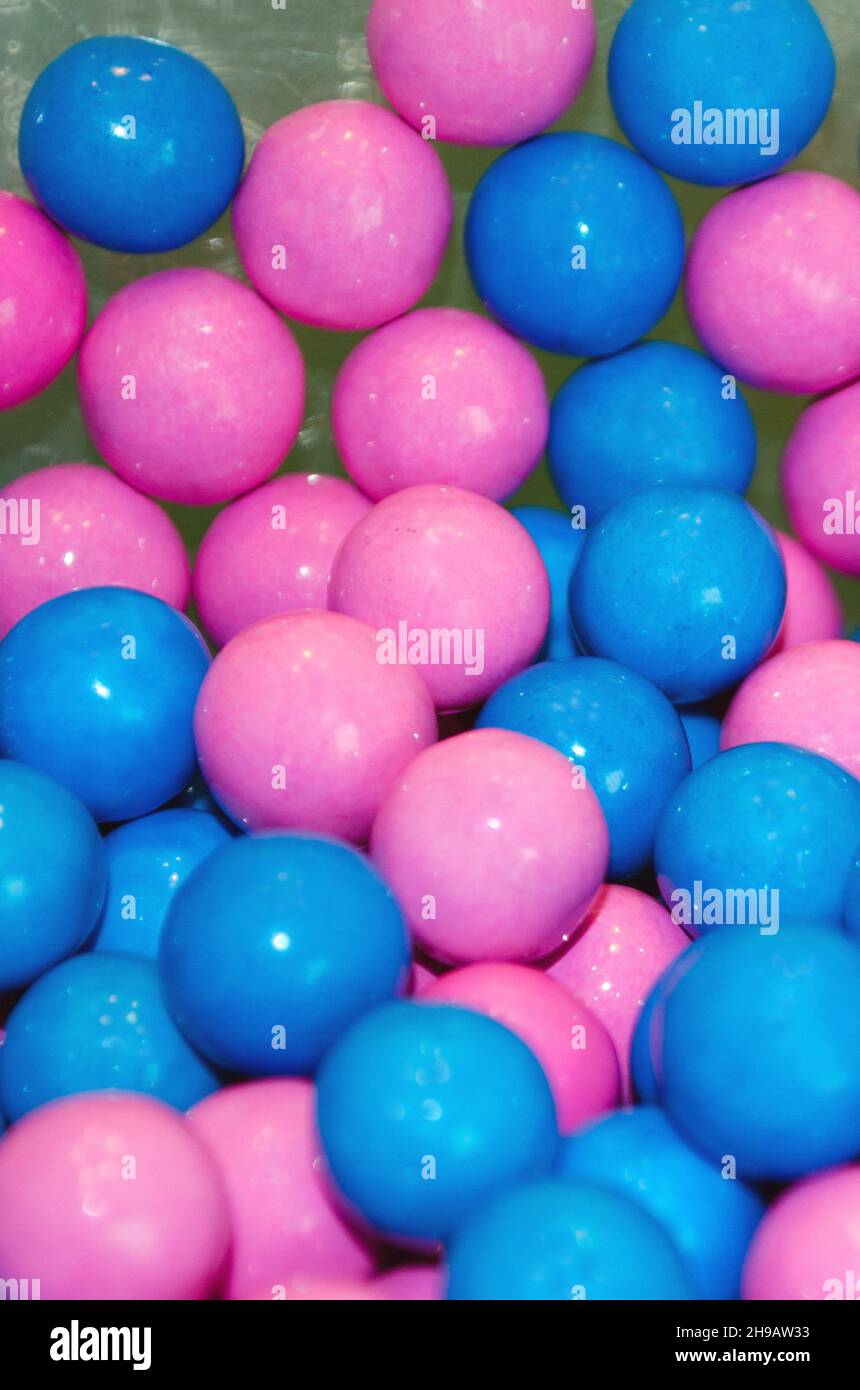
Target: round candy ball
{"points": [[111, 1197], [44, 297], [343, 216], [658, 413], [720, 93], [272, 551], [131, 143], [559, 543], [664, 586], [852, 899], [574, 243], [451, 584], [290, 937], [808, 1245], [98, 690], [702, 727], [425, 1111], [419, 1283], [773, 283], [493, 848], [52, 873], [300, 726], [79, 527], [191, 388], [812, 609], [821, 480]]}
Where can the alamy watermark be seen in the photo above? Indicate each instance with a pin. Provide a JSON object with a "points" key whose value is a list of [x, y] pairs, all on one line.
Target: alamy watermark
{"points": [[708, 125], [21, 517], [434, 646], [719, 907]]}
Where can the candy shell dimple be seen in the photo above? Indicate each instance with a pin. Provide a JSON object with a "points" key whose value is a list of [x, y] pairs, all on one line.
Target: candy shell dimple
{"points": [[808, 1245], [821, 482]]}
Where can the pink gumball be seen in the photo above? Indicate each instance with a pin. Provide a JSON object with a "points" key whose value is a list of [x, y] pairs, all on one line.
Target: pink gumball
{"points": [[413, 1284], [481, 74], [272, 551], [299, 727], [493, 849], [83, 527], [43, 300], [812, 609], [616, 957], [313, 1290], [452, 584], [773, 282], [808, 696], [343, 216], [440, 396], [821, 479], [191, 388], [110, 1195], [808, 1245]]}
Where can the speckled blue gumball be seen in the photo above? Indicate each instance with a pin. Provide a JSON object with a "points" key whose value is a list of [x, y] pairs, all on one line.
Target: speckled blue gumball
{"points": [[852, 899], [559, 543]]}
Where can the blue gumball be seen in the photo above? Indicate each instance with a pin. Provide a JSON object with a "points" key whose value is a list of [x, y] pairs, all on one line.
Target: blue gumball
{"points": [[852, 899], [574, 243], [559, 544], [855, 636], [98, 688], [702, 728], [616, 726], [658, 413], [131, 143]]}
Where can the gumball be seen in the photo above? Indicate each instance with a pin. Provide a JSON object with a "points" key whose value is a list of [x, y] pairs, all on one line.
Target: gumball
{"points": [[493, 849], [702, 728], [440, 396], [342, 218], [71, 1211], [812, 609], [646, 1041], [616, 728], [44, 298], [717, 92], [710, 1218], [52, 874], [852, 899], [131, 143], [562, 1241], [98, 690], [262, 1136], [423, 1112], [309, 1289], [773, 282], [821, 482], [272, 551], [855, 636], [299, 726], [808, 1245], [478, 75], [97, 1022], [85, 528], [559, 543], [658, 413], [191, 388], [147, 860], [574, 243], [451, 583], [808, 696], [663, 586], [413, 1283]]}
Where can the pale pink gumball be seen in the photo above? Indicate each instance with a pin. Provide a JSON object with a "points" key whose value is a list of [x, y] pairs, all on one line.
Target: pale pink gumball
{"points": [[808, 1245], [812, 609], [272, 551], [191, 388], [453, 584], [343, 215], [413, 1284], [808, 696], [821, 479], [421, 977], [111, 1196], [481, 74], [43, 300], [440, 396], [300, 727], [773, 282], [84, 527], [493, 849], [616, 957]]}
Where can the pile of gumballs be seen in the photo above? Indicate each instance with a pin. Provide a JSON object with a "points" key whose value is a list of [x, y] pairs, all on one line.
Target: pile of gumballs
{"points": [[482, 920]]}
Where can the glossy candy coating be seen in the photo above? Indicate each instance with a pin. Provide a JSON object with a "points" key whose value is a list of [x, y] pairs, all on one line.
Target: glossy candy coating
{"points": [[821, 480], [702, 727], [559, 544], [852, 899], [808, 1245]]}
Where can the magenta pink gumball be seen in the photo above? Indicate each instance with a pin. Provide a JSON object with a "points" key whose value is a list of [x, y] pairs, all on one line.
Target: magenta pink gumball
{"points": [[440, 396], [812, 609], [481, 74], [343, 216], [413, 1284], [110, 1195], [808, 696], [451, 583], [43, 300], [84, 527], [821, 479], [299, 727], [492, 847], [191, 388], [773, 282], [619, 952], [272, 551], [807, 1248]]}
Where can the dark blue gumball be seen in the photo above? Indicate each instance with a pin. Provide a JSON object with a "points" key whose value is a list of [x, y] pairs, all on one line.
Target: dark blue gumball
{"points": [[559, 543], [703, 732]]}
